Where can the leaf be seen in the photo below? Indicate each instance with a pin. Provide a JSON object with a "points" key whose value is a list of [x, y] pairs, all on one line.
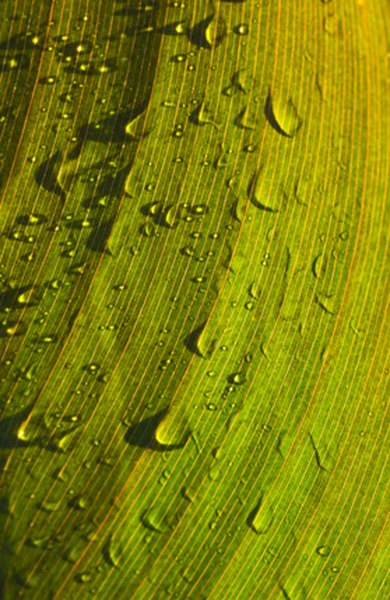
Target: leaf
{"points": [[192, 296]]}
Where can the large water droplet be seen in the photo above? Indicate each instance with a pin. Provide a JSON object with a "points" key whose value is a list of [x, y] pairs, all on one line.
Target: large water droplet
{"points": [[201, 116], [261, 517], [154, 519], [282, 115], [208, 33], [113, 551], [261, 194]]}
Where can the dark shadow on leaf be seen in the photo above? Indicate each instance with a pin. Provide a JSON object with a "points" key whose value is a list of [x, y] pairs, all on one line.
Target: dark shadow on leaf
{"points": [[137, 11], [14, 63], [143, 434], [6, 112], [28, 220], [18, 327], [98, 240], [11, 298], [107, 131], [74, 49], [113, 185], [19, 42], [172, 29]]}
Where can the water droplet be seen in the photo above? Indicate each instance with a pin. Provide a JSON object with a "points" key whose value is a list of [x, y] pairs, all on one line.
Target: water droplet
{"points": [[188, 251], [148, 230], [113, 551], [92, 367], [211, 406], [254, 290], [179, 58], [178, 132], [326, 302], [39, 542], [241, 29], [199, 209], [84, 578], [323, 550], [188, 574], [332, 25], [81, 503], [48, 339], [260, 193], [154, 520], [243, 120], [50, 505], [215, 32], [237, 378], [188, 493], [260, 519], [282, 115], [214, 473]]}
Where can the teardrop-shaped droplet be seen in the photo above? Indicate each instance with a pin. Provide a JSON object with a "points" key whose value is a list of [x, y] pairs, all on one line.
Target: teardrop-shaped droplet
{"points": [[261, 517], [282, 114]]}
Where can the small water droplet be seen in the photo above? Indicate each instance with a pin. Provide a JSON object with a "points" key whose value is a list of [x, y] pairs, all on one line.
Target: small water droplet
{"points": [[84, 578], [39, 542], [148, 230], [178, 133], [323, 550], [254, 290], [50, 505], [179, 58], [92, 368], [237, 378], [241, 29], [80, 503], [250, 148]]}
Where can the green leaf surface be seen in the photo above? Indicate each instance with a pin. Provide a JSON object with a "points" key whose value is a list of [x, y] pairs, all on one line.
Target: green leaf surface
{"points": [[193, 299]]}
